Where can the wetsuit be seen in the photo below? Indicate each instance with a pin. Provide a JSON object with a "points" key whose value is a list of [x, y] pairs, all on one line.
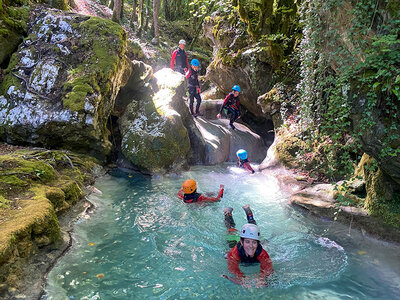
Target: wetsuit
{"points": [[179, 61], [238, 255], [245, 164], [231, 103], [194, 89], [197, 197]]}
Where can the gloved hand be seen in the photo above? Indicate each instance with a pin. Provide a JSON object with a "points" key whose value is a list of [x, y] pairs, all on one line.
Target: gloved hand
{"points": [[198, 90]]}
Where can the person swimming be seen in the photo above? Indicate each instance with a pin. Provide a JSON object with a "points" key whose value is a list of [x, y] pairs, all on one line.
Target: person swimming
{"points": [[244, 161], [247, 250], [188, 193]]}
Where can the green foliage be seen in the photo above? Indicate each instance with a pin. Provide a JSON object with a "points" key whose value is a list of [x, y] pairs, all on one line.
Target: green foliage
{"points": [[342, 69]]}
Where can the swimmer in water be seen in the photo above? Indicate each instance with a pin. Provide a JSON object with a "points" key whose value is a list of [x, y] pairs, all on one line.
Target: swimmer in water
{"points": [[244, 161], [188, 193], [248, 250]]}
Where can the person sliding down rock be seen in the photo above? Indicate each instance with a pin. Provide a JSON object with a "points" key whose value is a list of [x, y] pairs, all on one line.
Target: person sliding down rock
{"points": [[194, 86], [243, 160], [231, 103], [247, 250], [188, 193], [179, 60]]}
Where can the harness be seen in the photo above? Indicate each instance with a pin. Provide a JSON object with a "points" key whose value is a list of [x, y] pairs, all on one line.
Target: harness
{"points": [[232, 102], [190, 198], [193, 78], [242, 162], [244, 258]]}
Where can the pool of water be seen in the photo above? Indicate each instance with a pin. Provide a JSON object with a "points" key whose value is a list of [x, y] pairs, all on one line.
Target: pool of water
{"points": [[142, 242]]}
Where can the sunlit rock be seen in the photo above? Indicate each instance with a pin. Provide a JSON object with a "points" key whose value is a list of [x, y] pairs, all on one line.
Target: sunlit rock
{"points": [[154, 137], [61, 84]]}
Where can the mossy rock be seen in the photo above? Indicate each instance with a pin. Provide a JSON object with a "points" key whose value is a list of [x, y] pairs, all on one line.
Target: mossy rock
{"points": [[28, 218], [56, 196], [383, 198], [287, 148], [13, 25], [71, 77]]}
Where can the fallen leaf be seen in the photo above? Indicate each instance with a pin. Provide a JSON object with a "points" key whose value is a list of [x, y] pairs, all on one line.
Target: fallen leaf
{"points": [[101, 275], [361, 252], [91, 244]]}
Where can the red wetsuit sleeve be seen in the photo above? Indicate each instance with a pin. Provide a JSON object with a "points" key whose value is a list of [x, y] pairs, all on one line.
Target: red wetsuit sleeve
{"points": [[233, 262], [248, 167], [187, 62], [180, 194], [173, 59], [188, 73], [211, 199], [266, 268]]}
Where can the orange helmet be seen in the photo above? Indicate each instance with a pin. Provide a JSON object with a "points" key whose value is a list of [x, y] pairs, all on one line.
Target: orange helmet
{"points": [[189, 186]]}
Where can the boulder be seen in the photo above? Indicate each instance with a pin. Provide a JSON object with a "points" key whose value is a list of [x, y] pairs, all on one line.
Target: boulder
{"points": [[61, 84], [154, 138], [213, 142]]}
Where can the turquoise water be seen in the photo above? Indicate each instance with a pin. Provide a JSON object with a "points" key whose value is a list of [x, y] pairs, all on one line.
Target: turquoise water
{"points": [[142, 242]]}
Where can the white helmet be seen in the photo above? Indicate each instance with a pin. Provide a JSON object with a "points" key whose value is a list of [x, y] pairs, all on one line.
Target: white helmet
{"points": [[250, 231], [182, 42]]}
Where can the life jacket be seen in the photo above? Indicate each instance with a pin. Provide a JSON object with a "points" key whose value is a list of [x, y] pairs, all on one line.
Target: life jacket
{"points": [[192, 78], [244, 258], [242, 162], [181, 58], [233, 101], [190, 198]]}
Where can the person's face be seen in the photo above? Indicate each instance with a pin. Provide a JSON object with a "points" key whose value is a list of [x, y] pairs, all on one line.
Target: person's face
{"points": [[235, 93], [195, 68], [249, 246], [182, 46]]}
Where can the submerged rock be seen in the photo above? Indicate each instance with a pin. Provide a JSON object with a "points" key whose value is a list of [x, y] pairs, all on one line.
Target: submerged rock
{"points": [[61, 85]]}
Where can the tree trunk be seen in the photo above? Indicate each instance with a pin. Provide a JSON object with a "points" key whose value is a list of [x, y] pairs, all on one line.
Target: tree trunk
{"points": [[116, 17], [156, 6], [146, 26], [141, 17], [111, 5], [133, 15], [167, 10]]}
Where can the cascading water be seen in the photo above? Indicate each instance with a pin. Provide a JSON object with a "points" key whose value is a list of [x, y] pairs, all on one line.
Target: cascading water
{"points": [[142, 242]]}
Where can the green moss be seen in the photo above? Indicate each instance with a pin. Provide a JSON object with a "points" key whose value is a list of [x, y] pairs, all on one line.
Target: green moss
{"points": [[56, 196], [72, 191], [60, 4], [76, 99], [4, 203]]}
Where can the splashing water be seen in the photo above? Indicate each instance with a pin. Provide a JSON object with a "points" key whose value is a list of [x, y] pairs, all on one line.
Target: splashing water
{"points": [[142, 242]]}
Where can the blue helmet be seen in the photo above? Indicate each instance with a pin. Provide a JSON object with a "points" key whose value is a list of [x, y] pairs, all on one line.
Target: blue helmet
{"points": [[195, 63], [242, 154], [236, 88]]}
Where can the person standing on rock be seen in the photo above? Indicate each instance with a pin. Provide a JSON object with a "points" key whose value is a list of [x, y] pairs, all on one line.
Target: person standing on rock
{"points": [[192, 77], [179, 59], [188, 193], [248, 250], [231, 103], [244, 161]]}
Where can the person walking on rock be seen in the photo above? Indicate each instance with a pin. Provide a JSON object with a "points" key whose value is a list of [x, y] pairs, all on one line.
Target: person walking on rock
{"points": [[194, 86], [188, 193], [231, 103], [248, 250], [179, 59]]}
